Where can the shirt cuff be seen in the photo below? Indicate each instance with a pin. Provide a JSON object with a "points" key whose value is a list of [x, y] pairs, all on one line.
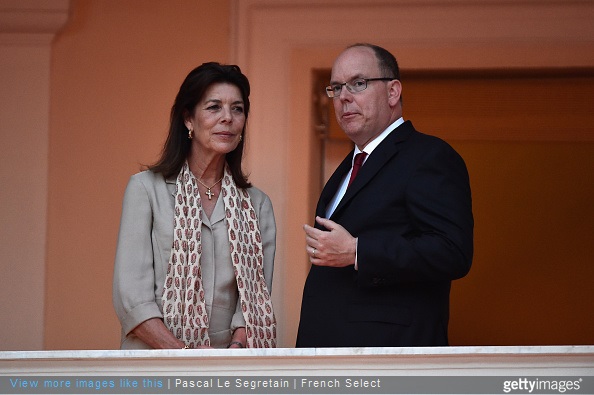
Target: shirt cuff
{"points": [[139, 314]]}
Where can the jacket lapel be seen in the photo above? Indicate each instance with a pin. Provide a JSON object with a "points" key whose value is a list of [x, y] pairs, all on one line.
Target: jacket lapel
{"points": [[383, 153], [333, 184], [171, 185]]}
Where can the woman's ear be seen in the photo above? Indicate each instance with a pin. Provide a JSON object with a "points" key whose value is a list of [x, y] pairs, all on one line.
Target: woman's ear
{"points": [[187, 121]]}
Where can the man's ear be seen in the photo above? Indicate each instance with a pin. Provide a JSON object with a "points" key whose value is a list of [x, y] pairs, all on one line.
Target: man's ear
{"points": [[394, 92]]}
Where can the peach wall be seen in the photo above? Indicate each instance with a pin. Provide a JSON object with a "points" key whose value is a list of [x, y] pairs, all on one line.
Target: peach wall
{"points": [[23, 174], [116, 68], [26, 31]]}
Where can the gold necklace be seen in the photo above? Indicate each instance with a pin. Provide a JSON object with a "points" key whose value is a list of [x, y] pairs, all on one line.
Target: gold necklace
{"points": [[208, 188]]}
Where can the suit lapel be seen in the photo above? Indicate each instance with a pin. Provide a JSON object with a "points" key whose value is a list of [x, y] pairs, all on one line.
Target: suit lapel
{"points": [[383, 153]]}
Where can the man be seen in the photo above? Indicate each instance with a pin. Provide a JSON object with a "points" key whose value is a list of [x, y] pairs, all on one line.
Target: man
{"points": [[384, 249]]}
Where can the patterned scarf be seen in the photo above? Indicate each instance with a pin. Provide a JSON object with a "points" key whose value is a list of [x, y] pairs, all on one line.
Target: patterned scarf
{"points": [[184, 308]]}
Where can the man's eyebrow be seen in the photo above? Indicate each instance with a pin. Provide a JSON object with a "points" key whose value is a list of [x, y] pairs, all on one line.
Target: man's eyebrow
{"points": [[356, 76]]}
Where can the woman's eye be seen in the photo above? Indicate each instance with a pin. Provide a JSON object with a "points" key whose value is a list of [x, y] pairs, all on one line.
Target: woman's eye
{"points": [[214, 107], [238, 109]]}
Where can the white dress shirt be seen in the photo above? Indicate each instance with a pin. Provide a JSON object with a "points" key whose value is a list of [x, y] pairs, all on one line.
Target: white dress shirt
{"points": [[368, 150]]}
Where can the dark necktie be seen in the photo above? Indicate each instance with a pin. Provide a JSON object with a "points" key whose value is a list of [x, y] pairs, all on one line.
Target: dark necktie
{"points": [[359, 158]]}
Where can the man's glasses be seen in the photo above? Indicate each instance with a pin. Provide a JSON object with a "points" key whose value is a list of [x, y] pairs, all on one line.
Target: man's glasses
{"points": [[356, 85]]}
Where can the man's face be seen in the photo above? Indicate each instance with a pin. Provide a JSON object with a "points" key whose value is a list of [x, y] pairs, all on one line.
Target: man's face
{"points": [[362, 115]]}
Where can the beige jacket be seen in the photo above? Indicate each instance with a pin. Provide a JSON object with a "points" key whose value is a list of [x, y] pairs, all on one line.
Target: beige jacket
{"points": [[143, 251]]}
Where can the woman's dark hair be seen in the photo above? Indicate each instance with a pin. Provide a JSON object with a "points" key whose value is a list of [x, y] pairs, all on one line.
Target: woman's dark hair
{"points": [[177, 146]]}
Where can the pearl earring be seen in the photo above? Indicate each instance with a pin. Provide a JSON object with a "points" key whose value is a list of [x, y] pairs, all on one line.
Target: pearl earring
{"points": [[190, 134]]}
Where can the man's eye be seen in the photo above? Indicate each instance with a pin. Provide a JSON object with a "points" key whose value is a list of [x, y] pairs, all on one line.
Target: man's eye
{"points": [[358, 83], [336, 88]]}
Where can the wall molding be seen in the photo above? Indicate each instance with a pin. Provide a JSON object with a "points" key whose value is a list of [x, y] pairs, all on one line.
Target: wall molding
{"points": [[31, 21], [27, 28]]}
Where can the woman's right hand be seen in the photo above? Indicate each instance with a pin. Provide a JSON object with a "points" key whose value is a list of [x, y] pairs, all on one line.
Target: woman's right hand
{"points": [[154, 333]]}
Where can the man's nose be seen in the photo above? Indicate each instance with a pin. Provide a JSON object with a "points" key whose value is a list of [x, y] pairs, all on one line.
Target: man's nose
{"points": [[345, 93]]}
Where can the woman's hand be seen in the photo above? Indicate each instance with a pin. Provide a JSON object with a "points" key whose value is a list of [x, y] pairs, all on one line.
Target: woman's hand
{"points": [[154, 333], [239, 336]]}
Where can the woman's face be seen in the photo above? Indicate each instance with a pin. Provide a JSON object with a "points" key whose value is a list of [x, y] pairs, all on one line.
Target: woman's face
{"points": [[218, 119]]}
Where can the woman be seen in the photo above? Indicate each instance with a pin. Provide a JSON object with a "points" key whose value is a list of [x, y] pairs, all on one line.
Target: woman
{"points": [[196, 246]]}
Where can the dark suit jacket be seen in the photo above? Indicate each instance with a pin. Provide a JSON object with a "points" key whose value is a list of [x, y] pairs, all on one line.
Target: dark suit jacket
{"points": [[410, 207]]}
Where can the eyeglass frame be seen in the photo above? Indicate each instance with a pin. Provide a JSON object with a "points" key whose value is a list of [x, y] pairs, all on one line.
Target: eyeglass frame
{"points": [[350, 88]]}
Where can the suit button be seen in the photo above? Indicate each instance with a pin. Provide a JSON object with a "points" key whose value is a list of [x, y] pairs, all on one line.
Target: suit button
{"points": [[376, 281]]}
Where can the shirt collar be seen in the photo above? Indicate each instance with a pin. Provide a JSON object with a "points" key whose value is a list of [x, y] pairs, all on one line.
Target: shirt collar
{"points": [[376, 141]]}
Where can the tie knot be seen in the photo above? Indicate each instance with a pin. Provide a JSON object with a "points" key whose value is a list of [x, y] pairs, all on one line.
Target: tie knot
{"points": [[359, 158]]}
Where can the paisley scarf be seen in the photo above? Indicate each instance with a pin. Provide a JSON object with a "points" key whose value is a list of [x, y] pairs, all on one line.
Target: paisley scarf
{"points": [[184, 307]]}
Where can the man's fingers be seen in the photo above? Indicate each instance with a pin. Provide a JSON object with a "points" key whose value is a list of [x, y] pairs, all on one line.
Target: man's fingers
{"points": [[326, 223], [312, 232]]}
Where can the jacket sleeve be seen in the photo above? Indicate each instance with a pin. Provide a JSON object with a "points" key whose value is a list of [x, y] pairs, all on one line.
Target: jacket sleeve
{"points": [[268, 231], [134, 277]]}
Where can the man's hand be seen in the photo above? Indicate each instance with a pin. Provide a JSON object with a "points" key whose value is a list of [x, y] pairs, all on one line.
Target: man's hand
{"points": [[335, 247]]}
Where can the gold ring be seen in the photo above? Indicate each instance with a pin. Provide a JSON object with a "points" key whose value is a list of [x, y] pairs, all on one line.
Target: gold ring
{"points": [[313, 253]]}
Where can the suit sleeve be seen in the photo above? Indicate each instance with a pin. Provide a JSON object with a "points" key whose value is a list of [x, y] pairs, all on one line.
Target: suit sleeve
{"points": [[436, 242], [134, 276]]}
